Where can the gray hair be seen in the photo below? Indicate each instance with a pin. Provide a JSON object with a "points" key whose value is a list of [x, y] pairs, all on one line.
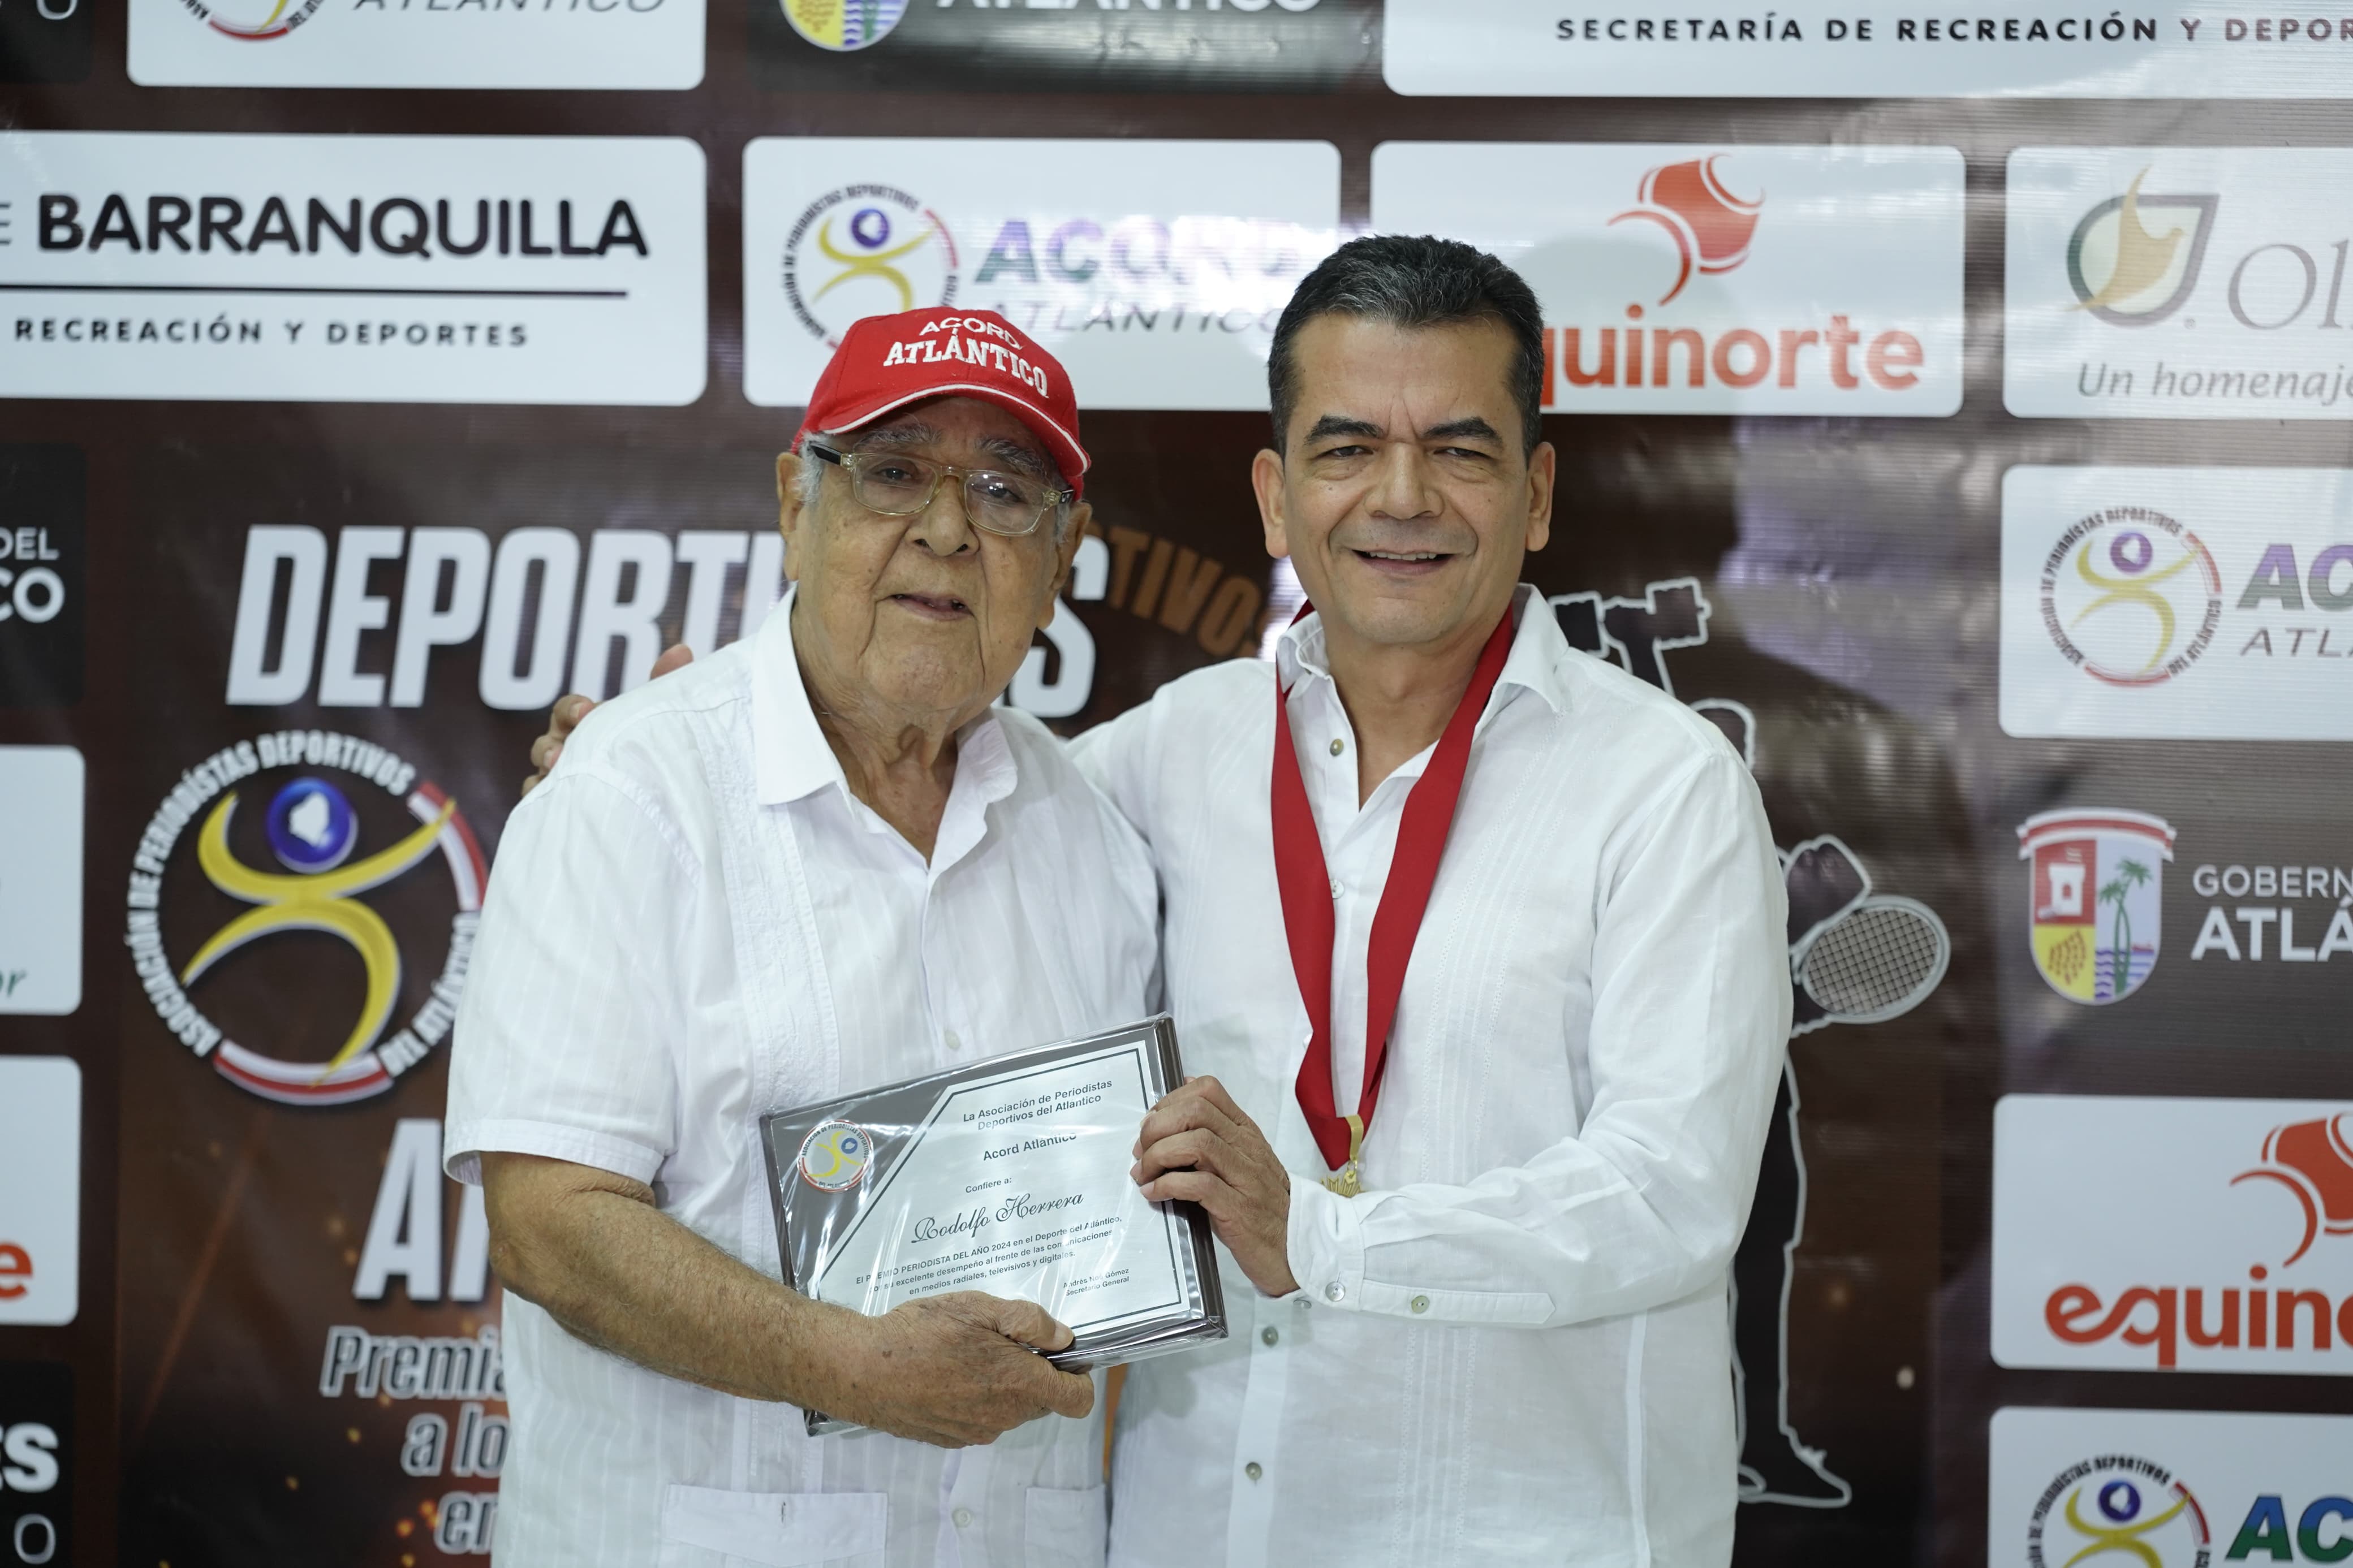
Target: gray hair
{"points": [[811, 479], [1412, 281]]}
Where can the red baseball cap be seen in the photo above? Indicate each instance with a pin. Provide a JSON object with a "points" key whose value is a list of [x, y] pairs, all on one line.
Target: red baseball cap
{"points": [[886, 363]]}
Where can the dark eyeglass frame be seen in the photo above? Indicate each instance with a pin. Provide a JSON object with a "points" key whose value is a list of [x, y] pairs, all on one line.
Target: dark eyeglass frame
{"points": [[850, 462]]}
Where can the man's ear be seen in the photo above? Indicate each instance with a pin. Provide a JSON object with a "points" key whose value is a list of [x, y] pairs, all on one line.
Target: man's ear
{"points": [[1544, 466], [788, 505], [1083, 517], [1266, 478]]}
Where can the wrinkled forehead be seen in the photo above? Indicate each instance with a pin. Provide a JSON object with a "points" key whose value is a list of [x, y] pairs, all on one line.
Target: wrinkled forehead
{"points": [[954, 429]]}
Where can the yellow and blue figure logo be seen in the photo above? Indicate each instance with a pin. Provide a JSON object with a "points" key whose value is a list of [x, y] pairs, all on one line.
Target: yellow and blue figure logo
{"points": [[324, 869], [254, 21], [2130, 596], [2119, 1510], [844, 25], [834, 1157], [866, 250]]}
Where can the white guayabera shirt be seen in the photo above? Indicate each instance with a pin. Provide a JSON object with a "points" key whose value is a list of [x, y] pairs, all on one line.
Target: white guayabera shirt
{"points": [[693, 923], [1515, 1346]]}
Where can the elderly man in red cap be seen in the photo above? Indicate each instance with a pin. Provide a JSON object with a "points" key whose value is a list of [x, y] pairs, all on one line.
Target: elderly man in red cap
{"points": [[817, 862]]}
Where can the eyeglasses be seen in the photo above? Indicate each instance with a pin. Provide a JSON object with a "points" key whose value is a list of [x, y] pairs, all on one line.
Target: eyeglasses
{"points": [[898, 485]]}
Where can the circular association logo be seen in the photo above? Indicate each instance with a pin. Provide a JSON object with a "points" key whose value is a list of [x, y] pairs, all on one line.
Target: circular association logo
{"points": [[2130, 596], [255, 21], [2117, 1505], [866, 250], [844, 25], [834, 1157], [311, 827], [356, 835]]}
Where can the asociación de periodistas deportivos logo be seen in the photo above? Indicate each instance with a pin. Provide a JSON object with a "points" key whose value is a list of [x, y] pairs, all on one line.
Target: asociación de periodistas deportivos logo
{"points": [[866, 250], [312, 848], [2118, 1509], [2130, 596], [255, 21]]}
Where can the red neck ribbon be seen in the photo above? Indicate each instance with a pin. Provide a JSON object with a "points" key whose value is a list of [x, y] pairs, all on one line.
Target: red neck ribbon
{"points": [[1306, 888]]}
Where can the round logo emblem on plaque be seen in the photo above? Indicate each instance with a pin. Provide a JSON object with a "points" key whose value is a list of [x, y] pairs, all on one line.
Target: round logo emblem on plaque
{"points": [[833, 1156]]}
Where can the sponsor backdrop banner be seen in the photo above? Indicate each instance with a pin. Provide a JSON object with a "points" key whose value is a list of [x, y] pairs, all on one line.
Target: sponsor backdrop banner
{"points": [[1154, 270], [1950, 407]]}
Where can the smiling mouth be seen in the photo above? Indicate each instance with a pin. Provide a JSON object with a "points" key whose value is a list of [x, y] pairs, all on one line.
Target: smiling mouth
{"points": [[1402, 557], [934, 607]]}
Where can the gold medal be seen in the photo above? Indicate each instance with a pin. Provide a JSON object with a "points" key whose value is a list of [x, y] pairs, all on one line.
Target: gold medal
{"points": [[1348, 1180]]}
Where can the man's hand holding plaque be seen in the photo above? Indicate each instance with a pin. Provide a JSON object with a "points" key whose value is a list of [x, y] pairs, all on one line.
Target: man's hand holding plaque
{"points": [[888, 1366], [1004, 1189], [1198, 1146]]}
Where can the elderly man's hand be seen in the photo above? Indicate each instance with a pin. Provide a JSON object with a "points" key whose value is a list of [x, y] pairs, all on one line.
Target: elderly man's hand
{"points": [[951, 1370], [566, 716], [1196, 1144]]}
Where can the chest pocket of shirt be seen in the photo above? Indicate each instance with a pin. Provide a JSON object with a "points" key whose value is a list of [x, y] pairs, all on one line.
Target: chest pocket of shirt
{"points": [[702, 1526], [1063, 1529]]}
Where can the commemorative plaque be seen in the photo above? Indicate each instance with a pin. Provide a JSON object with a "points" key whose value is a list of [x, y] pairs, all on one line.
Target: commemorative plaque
{"points": [[1008, 1177]]}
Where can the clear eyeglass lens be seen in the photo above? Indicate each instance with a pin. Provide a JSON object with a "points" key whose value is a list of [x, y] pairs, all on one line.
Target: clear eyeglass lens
{"points": [[1002, 503], [895, 484], [1005, 502]]}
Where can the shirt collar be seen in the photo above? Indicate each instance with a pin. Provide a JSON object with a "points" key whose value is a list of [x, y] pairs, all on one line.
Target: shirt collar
{"points": [[1534, 663], [793, 760]]}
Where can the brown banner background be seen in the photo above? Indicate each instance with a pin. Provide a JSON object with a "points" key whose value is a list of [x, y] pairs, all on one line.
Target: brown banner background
{"points": [[1848, 569]]}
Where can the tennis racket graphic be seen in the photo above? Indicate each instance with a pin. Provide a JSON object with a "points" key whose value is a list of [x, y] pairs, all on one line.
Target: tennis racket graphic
{"points": [[1858, 957]]}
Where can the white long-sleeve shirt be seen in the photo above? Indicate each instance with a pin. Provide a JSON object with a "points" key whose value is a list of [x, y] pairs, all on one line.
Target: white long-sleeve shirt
{"points": [[694, 922], [1513, 1346]]}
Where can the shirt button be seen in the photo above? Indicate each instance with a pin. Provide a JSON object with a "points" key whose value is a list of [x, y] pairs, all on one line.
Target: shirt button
{"points": [[951, 1040], [1337, 888], [1422, 1304], [1268, 1336], [1304, 1300], [963, 1517], [1339, 745], [1335, 1291], [1253, 1469]]}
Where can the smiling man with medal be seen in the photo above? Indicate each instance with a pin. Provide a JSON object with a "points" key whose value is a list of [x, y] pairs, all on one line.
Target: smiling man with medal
{"points": [[1491, 932], [1476, 944]]}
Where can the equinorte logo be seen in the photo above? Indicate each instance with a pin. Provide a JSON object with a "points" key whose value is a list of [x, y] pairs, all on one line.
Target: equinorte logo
{"points": [[340, 817], [1744, 278]]}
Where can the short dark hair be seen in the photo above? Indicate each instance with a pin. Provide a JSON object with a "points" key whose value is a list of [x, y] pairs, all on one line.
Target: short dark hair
{"points": [[1413, 280]]}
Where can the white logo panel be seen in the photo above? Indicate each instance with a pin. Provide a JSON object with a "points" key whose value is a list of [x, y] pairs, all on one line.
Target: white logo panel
{"points": [[2165, 1489], [1710, 279], [2178, 283], [2173, 1235], [1512, 49], [352, 269], [1154, 270], [2198, 604], [40, 1189], [416, 43], [40, 879]]}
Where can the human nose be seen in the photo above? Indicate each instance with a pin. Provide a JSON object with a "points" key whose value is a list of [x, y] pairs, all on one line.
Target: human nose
{"points": [[944, 526], [1400, 487]]}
